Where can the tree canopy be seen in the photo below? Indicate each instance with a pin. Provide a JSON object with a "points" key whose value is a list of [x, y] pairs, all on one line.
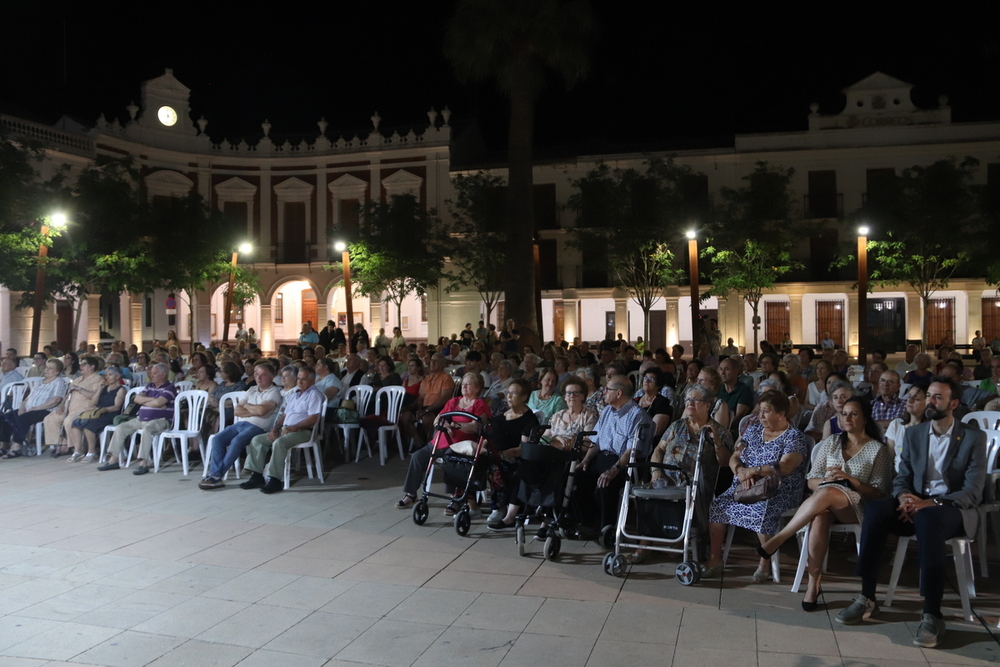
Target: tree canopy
{"points": [[398, 252], [477, 229], [517, 43], [751, 235], [925, 227], [633, 221]]}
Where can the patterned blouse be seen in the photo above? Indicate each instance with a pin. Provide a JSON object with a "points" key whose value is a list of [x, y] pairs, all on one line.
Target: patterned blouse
{"points": [[44, 392], [678, 447], [566, 426]]}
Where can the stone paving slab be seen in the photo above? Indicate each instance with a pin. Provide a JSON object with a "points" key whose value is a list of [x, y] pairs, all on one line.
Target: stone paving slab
{"points": [[109, 569]]}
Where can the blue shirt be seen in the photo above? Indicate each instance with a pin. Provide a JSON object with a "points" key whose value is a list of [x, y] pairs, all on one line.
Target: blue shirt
{"points": [[617, 428]]}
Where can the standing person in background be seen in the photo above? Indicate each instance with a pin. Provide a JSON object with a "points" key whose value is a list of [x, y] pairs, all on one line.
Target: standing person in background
{"points": [[509, 337], [382, 343], [359, 339]]}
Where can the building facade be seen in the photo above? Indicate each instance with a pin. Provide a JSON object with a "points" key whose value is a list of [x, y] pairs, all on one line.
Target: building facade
{"points": [[294, 199]]}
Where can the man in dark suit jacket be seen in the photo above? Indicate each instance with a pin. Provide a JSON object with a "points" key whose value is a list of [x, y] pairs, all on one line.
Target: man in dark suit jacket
{"points": [[935, 496]]}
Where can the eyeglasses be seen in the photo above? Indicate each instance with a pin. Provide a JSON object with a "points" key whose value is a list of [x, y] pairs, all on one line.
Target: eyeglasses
{"points": [[574, 393], [692, 401], [649, 378]]}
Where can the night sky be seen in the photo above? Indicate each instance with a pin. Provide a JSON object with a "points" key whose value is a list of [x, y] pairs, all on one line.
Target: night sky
{"points": [[661, 76]]}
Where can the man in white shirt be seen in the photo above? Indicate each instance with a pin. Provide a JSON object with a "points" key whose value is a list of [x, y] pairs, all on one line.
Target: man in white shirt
{"points": [[9, 373], [352, 371], [257, 412], [935, 496], [302, 409]]}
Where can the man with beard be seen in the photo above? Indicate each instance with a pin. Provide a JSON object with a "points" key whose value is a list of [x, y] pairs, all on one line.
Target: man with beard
{"points": [[935, 496]]}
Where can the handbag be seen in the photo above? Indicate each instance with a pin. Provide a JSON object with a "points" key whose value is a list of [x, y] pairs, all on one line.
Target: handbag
{"points": [[92, 414], [763, 489]]}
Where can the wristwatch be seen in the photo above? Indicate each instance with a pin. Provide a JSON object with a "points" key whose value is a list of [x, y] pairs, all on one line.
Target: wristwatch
{"points": [[618, 467]]}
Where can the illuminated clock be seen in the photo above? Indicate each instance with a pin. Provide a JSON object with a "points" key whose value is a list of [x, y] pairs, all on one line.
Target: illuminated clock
{"points": [[167, 115]]}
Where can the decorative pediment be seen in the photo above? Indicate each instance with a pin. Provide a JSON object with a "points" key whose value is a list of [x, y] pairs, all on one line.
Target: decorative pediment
{"points": [[348, 187], [293, 189], [879, 101], [235, 189], [168, 183], [402, 182]]}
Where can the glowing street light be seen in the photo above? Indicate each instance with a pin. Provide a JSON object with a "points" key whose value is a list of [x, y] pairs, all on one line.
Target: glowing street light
{"points": [[58, 221], [692, 237], [863, 295], [345, 259], [246, 249]]}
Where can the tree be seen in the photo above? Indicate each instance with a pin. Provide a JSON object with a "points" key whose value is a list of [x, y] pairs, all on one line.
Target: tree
{"points": [[751, 237], [516, 42], [398, 253], [477, 227], [932, 221], [633, 220]]}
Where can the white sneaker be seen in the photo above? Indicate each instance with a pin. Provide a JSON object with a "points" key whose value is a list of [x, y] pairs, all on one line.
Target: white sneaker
{"points": [[495, 515]]}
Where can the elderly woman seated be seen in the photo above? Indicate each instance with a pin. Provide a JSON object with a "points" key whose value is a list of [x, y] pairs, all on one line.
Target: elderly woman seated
{"points": [[679, 447], [770, 448], [546, 399], [562, 431], [89, 425], [43, 398], [457, 430], [848, 469]]}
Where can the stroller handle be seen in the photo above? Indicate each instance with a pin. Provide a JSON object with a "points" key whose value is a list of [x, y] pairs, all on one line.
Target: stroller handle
{"points": [[443, 418]]}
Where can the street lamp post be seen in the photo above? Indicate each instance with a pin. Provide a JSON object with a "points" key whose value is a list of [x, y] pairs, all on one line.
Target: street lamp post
{"points": [[863, 295], [692, 236], [227, 314], [345, 258], [56, 220]]}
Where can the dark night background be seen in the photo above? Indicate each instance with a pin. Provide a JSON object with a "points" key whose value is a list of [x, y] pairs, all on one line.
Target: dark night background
{"points": [[661, 76]]}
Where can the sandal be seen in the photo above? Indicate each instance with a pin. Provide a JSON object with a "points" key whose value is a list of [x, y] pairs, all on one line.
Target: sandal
{"points": [[89, 458], [405, 501], [13, 454], [74, 458], [761, 576], [711, 572], [454, 507]]}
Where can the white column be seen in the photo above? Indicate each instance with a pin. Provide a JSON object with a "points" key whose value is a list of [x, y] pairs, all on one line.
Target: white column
{"points": [[795, 318], [266, 329], [135, 303], [673, 322], [265, 240], [93, 318]]}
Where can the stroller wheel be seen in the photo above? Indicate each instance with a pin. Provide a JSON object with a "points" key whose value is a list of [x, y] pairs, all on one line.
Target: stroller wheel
{"points": [[619, 565], [463, 522], [420, 512], [552, 545], [608, 536], [608, 557], [519, 537], [688, 573]]}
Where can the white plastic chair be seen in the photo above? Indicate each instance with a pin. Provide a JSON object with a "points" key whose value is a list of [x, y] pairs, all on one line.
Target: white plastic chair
{"points": [[635, 378], [110, 429], [196, 400], [311, 451], [985, 419], [361, 395], [961, 550], [140, 378], [15, 391], [775, 560], [230, 400], [31, 382], [903, 388], [183, 385], [394, 396]]}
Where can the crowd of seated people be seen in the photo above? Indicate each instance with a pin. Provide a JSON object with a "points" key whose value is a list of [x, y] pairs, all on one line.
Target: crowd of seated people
{"points": [[765, 413]]}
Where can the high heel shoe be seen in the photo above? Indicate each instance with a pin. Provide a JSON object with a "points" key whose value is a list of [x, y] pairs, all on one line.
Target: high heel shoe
{"points": [[763, 554], [812, 606]]}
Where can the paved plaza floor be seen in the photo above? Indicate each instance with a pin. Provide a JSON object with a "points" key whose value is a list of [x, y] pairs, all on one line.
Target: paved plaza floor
{"points": [[114, 569]]}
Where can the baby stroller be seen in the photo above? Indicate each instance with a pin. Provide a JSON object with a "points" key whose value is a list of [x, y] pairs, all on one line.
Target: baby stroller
{"points": [[467, 471], [663, 518], [544, 491]]}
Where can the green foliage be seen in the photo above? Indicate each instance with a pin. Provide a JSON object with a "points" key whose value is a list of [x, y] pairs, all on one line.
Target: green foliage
{"points": [[751, 237], [633, 220], [930, 225], [398, 253], [25, 202], [477, 232]]}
